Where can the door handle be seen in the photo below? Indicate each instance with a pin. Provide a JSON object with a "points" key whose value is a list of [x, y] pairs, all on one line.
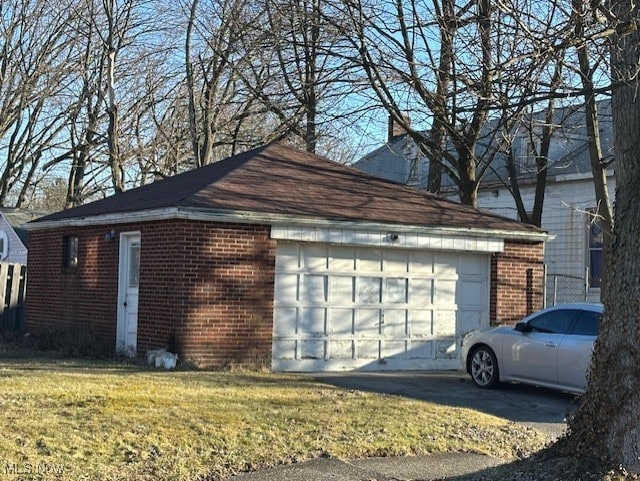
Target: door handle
{"points": [[550, 344]]}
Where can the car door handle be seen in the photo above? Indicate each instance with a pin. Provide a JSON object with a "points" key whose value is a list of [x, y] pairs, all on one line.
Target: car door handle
{"points": [[550, 344]]}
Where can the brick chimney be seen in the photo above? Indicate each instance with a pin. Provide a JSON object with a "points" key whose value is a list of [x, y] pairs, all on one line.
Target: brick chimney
{"points": [[395, 129]]}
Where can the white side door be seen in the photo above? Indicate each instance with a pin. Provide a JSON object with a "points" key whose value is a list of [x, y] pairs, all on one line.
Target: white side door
{"points": [[128, 282]]}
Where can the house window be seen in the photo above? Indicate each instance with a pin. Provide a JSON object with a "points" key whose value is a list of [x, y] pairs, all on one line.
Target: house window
{"points": [[528, 153], [4, 245], [71, 252], [595, 250]]}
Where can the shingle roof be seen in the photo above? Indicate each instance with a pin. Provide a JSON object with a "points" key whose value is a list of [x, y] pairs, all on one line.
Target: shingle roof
{"points": [[18, 218], [277, 179]]}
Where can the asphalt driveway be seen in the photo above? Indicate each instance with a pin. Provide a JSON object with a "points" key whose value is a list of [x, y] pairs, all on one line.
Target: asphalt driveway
{"points": [[541, 409]]}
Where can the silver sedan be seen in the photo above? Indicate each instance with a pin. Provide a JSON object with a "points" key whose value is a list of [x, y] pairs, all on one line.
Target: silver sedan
{"points": [[550, 348]]}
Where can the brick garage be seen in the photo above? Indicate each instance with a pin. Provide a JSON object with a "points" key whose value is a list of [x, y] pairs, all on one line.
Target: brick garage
{"points": [[208, 244]]}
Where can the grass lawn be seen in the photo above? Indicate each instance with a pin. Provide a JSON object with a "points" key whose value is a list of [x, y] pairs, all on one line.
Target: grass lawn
{"points": [[109, 421]]}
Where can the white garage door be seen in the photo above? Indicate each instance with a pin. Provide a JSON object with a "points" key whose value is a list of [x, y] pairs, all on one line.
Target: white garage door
{"points": [[343, 308]]}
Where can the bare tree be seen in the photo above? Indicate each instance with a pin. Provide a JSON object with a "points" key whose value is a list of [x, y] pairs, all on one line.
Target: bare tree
{"points": [[33, 68], [452, 66], [218, 35]]}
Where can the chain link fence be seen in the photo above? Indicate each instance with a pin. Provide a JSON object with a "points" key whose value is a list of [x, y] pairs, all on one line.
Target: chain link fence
{"points": [[563, 289]]}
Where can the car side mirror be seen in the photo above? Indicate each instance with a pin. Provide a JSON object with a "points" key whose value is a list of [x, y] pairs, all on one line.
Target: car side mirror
{"points": [[523, 327]]}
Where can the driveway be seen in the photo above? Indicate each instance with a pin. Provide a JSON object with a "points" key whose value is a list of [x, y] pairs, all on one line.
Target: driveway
{"points": [[541, 409]]}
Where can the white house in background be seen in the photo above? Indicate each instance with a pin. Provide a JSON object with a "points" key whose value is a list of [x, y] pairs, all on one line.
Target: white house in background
{"points": [[573, 255], [14, 240]]}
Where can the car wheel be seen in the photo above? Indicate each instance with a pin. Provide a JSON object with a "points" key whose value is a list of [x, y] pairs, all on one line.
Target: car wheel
{"points": [[484, 368]]}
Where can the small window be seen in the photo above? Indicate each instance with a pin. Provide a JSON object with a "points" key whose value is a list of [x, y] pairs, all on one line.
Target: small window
{"points": [[554, 322], [71, 252], [587, 324], [134, 264]]}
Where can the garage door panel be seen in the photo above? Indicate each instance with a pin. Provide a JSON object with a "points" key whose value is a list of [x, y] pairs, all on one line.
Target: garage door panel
{"points": [[288, 257], [421, 323], [314, 289], [341, 349], [445, 264], [368, 349], [470, 320], [313, 257], [473, 265], [312, 349], [472, 291], [368, 290], [395, 261], [421, 292], [446, 349], [286, 287], [394, 349], [285, 320], [421, 262], [395, 290], [395, 323], [342, 258], [367, 323], [284, 349], [312, 321], [444, 323], [444, 292], [340, 322], [421, 350], [369, 260], [342, 290]]}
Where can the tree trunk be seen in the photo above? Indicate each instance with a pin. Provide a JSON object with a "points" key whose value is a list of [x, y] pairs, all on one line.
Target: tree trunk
{"points": [[607, 422], [193, 128], [598, 167]]}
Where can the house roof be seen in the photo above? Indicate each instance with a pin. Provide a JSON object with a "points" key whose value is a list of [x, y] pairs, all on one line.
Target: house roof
{"points": [[568, 155], [283, 181], [17, 218]]}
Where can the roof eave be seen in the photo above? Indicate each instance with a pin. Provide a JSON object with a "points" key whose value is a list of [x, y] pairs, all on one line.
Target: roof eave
{"points": [[245, 217]]}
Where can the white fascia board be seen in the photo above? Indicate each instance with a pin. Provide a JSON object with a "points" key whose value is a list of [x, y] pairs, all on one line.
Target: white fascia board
{"points": [[388, 238], [283, 220]]}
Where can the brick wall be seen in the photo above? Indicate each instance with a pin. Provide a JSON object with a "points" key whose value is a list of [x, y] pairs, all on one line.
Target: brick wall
{"points": [[206, 290], [83, 298], [517, 281]]}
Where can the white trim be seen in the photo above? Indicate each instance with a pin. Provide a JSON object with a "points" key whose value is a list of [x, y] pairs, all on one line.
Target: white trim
{"points": [[244, 217], [394, 239], [126, 238]]}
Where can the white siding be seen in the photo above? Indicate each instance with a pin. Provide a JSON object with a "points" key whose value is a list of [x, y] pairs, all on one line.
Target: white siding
{"points": [[564, 216], [17, 252]]}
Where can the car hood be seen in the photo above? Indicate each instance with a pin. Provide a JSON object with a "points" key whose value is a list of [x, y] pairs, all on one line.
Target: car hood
{"points": [[503, 329]]}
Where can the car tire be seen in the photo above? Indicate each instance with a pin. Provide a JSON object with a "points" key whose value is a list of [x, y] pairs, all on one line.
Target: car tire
{"points": [[483, 368]]}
